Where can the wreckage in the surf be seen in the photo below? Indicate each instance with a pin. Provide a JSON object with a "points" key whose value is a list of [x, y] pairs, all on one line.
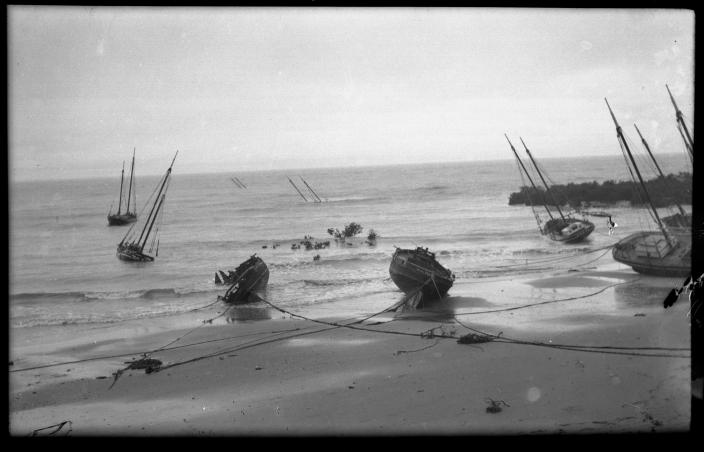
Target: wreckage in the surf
{"points": [[563, 229], [248, 281], [416, 271], [658, 253], [132, 246]]}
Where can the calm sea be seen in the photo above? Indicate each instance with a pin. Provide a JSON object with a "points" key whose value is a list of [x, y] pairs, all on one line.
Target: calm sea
{"points": [[63, 268]]}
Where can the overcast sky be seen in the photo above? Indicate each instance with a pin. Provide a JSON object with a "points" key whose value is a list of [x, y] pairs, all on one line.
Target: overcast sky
{"points": [[236, 89]]}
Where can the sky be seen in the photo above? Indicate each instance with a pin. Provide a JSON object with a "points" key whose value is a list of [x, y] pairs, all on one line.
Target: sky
{"points": [[242, 89]]}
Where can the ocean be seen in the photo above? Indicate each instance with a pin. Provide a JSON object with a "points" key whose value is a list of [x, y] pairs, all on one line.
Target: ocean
{"points": [[64, 270]]}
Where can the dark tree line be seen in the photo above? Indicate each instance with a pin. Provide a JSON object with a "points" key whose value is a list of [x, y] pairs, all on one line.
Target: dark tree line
{"points": [[663, 191]]}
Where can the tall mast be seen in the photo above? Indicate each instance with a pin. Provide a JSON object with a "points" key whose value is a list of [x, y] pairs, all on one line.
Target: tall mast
{"points": [[547, 188], [311, 190], [623, 143], [647, 148], [129, 193], [122, 178], [299, 192], [146, 237], [527, 174], [689, 143], [166, 178]]}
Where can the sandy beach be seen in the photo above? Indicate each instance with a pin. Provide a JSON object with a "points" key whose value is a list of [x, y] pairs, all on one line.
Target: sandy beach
{"points": [[396, 373]]}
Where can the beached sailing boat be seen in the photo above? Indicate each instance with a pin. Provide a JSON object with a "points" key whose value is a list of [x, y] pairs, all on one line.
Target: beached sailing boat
{"points": [[131, 247], [248, 281], [651, 252], [418, 270], [563, 229], [119, 218]]}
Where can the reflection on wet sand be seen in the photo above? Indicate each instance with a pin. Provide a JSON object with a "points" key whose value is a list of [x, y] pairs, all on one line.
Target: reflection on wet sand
{"points": [[647, 292], [244, 313], [443, 309]]}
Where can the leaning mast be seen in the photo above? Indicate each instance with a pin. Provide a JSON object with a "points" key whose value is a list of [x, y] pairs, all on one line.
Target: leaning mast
{"points": [[688, 142], [129, 192], [623, 143], [647, 148], [547, 188], [527, 174]]}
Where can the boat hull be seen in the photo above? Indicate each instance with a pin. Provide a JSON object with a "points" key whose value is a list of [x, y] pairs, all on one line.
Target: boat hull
{"points": [[648, 253], [120, 220], [411, 274], [133, 255], [570, 231], [252, 280]]}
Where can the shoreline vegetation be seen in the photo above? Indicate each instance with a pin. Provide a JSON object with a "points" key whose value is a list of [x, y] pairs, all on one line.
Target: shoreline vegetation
{"points": [[664, 191]]}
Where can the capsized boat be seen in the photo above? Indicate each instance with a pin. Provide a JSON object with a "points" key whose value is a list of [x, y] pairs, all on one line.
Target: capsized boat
{"points": [[252, 276], [414, 270], [657, 253], [131, 247], [120, 218], [564, 229]]}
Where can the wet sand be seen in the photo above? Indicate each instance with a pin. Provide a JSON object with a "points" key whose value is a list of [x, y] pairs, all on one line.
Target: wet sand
{"points": [[277, 375]]}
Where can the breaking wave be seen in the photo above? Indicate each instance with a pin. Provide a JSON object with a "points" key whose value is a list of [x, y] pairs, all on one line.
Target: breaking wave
{"points": [[146, 294]]}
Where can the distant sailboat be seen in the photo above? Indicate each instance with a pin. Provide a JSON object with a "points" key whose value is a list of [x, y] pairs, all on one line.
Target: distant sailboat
{"points": [[131, 247], [563, 229], [119, 218], [650, 252]]}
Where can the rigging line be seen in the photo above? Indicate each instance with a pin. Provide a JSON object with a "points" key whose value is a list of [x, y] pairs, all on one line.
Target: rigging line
{"points": [[166, 347], [98, 358], [238, 348], [550, 301], [552, 259], [530, 198], [605, 349], [204, 322], [141, 212], [637, 188]]}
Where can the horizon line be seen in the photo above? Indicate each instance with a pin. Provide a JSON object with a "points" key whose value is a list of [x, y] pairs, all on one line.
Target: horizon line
{"points": [[314, 168]]}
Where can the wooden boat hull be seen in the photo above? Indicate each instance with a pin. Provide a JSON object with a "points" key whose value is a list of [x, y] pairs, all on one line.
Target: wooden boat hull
{"points": [[570, 231], [253, 277], [133, 255], [119, 220], [648, 253], [410, 274]]}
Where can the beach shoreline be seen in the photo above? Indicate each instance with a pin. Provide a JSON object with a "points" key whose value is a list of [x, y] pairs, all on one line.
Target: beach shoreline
{"points": [[396, 373]]}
